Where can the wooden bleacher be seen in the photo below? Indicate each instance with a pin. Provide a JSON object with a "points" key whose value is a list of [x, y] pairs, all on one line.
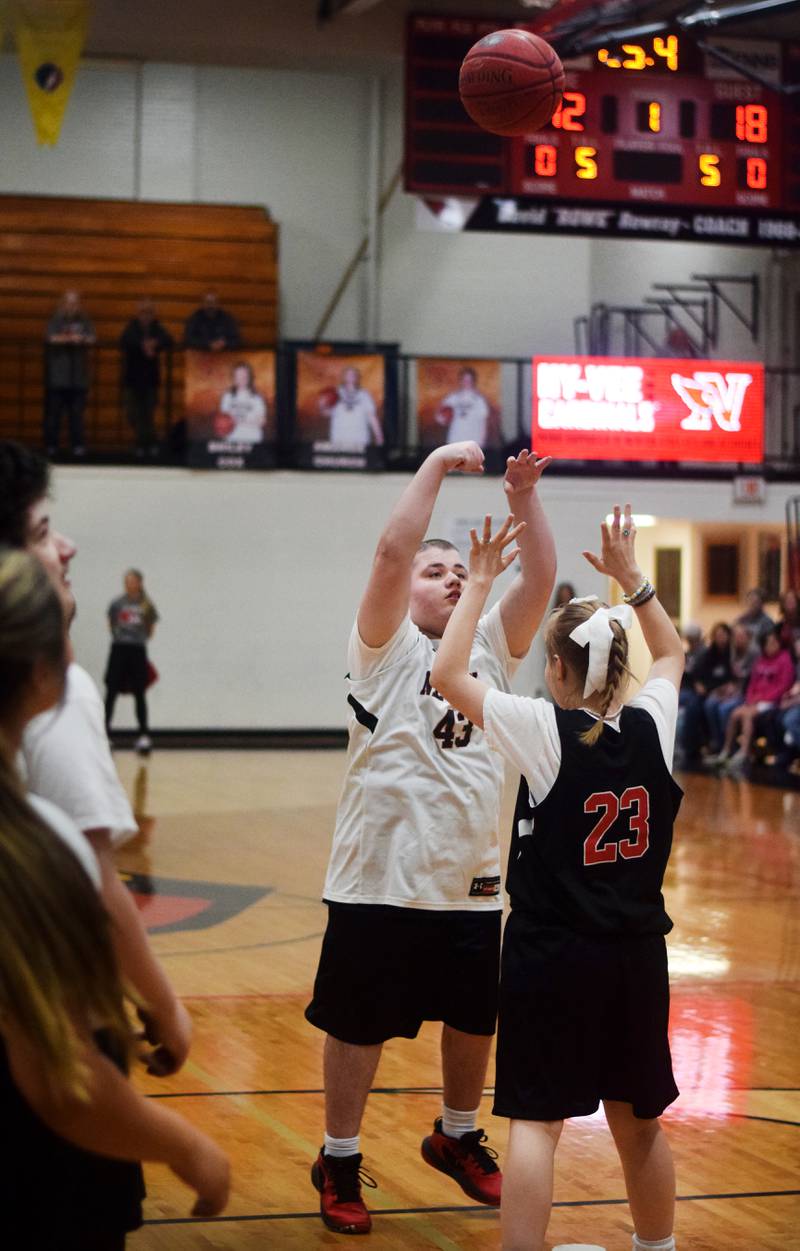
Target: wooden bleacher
{"points": [[115, 252]]}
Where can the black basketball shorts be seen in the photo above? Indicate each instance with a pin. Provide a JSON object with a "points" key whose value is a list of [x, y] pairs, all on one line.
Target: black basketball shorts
{"points": [[384, 970], [582, 1018]]}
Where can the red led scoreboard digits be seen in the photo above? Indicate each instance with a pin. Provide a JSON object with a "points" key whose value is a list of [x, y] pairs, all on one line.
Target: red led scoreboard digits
{"points": [[646, 127], [669, 135]]}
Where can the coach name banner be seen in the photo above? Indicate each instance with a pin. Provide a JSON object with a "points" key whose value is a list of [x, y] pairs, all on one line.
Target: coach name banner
{"points": [[642, 408], [639, 221], [230, 409]]}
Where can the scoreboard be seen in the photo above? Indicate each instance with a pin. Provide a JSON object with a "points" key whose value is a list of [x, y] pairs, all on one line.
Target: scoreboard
{"points": [[655, 124]]}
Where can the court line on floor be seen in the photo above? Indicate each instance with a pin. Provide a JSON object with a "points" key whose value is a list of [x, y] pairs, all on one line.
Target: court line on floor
{"points": [[770, 1120], [474, 1207], [223, 951], [414, 1090]]}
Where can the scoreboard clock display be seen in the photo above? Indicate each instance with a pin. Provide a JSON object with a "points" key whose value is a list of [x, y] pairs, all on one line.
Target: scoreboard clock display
{"points": [[650, 124]]}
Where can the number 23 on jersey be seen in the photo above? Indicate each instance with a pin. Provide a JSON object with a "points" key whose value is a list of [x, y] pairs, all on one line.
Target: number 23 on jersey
{"points": [[633, 803]]}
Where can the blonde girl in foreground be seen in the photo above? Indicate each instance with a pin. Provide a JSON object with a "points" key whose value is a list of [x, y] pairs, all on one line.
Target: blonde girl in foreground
{"points": [[584, 996], [74, 1126]]}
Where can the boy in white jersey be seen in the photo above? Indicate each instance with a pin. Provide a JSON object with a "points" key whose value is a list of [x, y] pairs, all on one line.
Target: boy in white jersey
{"points": [[469, 410], [413, 885]]}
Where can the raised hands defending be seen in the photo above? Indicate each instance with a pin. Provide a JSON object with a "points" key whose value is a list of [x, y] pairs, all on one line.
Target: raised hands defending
{"points": [[618, 557], [488, 556]]}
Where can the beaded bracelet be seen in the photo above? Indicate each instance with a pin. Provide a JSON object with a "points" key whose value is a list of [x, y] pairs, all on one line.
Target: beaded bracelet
{"points": [[643, 586], [645, 599]]}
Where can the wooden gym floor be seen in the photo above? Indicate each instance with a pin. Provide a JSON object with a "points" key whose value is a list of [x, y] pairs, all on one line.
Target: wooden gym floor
{"points": [[229, 871]]}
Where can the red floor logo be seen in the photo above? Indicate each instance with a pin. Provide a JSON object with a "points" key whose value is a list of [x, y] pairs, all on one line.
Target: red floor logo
{"points": [[169, 904]]}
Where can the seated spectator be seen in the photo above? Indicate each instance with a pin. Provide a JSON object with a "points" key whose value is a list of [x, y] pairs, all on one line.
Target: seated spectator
{"points": [[565, 591], [711, 670], [789, 620], [790, 718], [772, 677], [689, 702], [210, 328], [721, 701], [69, 334], [142, 342], [754, 617]]}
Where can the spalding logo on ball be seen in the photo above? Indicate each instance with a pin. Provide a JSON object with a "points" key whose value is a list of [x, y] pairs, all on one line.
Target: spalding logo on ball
{"points": [[511, 82]]}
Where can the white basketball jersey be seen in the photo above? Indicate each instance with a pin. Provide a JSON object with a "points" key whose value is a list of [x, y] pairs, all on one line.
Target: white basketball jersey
{"points": [[418, 813], [350, 419]]}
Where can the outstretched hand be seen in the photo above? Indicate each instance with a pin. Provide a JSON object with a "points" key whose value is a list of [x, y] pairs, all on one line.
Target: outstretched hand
{"points": [[618, 557], [488, 556], [524, 471]]}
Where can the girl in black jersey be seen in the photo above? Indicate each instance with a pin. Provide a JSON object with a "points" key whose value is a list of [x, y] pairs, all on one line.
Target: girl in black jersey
{"points": [[584, 996]]}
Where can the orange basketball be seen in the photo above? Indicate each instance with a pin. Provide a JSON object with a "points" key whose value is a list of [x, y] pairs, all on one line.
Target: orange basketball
{"points": [[511, 82], [328, 396], [223, 425]]}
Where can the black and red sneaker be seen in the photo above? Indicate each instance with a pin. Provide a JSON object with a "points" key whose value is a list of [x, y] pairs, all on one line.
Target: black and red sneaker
{"points": [[467, 1161], [338, 1180]]}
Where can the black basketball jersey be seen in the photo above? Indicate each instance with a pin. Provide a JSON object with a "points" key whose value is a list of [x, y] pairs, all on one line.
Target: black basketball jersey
{"points": [[592, 855]]}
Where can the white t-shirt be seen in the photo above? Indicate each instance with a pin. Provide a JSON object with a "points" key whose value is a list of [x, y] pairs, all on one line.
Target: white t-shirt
{"points": [[418, 813], [470, 416], [351, 419], [69, 833], [66, 759], [526, 733], [249, 411]]}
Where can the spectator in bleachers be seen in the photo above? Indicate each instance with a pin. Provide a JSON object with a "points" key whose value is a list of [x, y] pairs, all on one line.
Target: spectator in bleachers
{"points": [[789, 620], [711, 671], [69, 335], [772, 677], [721, 701], [142, 342], [565, 591], [210, 328], [790, 718], [690, 704], [754, 617]]}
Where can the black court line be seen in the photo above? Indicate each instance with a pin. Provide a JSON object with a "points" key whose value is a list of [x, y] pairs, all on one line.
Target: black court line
{"points": [[224, 951], [770, 1120], [312, 1090], [475, 1207], [422, 1090]]}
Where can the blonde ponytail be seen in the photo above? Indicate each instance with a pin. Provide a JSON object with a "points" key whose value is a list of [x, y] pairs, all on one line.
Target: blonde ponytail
{"points": [[576, 658]]}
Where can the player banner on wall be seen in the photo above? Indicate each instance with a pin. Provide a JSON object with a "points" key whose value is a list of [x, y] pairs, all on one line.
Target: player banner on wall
{"points": [[230, 409], [459, 400], [50, 35], [339, 409], [621, 408]]}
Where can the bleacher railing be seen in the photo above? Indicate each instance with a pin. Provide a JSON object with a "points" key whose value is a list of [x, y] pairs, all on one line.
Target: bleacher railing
{"points": [[110, 439]]}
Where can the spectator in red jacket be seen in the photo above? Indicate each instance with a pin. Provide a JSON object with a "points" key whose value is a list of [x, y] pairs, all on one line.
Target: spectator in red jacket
{"points": [[771, 677]]}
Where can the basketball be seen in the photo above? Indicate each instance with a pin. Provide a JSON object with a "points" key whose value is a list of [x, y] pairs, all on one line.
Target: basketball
{"points": [[223, 425], [511, 82], [328, 396]]}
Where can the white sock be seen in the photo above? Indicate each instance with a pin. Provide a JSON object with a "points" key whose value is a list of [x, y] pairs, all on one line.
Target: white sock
{"points": [[662, 1244], [457, 1124], [340, 1147]]}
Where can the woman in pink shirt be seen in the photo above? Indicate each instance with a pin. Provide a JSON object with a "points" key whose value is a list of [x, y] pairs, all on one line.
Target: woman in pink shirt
{"points": [[771, 677]]}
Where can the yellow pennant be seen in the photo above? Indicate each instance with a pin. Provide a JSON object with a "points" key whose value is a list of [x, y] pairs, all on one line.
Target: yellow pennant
{"points": [[50, 37]]}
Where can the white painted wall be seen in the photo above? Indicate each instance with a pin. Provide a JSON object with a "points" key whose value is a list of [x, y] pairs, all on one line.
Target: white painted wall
{"points": [[257, 576], [296, 141]]}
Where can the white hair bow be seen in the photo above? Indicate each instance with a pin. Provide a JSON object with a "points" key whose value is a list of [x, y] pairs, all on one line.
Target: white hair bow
{"points": [[597, 633]]}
